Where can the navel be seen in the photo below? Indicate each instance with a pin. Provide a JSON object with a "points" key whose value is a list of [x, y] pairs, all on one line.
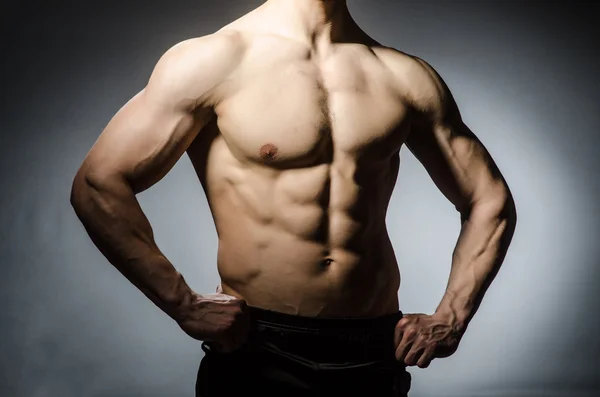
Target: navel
{"points": [[326, 263], [269, 152]]}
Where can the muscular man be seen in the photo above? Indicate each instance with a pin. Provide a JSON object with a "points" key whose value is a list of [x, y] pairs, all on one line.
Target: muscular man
{"points": [[293, 118]]}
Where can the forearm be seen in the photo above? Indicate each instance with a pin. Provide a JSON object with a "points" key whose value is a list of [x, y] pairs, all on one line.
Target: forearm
{"points": [[484, 239], [111, 214]]}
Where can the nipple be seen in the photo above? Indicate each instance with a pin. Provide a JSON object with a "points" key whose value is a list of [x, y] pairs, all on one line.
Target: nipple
{"points": [[269, 152]]}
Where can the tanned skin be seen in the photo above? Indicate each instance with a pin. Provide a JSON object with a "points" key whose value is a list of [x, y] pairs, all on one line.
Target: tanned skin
{"points": [[293, 118]]}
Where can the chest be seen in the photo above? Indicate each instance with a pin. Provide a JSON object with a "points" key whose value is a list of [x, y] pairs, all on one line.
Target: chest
{"points": [[295, 111]]}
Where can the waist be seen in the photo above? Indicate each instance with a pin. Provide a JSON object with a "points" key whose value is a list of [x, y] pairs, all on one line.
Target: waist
{"points": [[312, 284], [359, 327], [323, 339]]}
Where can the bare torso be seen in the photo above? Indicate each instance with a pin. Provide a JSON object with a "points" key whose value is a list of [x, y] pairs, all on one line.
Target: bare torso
{"points": [[298, 165], [294, 119]]}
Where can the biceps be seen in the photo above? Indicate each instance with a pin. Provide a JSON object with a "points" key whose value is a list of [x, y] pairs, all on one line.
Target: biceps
{"points": [[458, 163], [142, 142]]}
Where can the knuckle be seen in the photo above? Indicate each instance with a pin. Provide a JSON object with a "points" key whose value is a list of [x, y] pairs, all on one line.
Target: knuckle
{"points": [[423, 340], [402, 323], [411, 332]]}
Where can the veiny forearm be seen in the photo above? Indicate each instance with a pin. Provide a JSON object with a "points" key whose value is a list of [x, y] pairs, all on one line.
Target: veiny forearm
{"points": [[111, 214], [484, 239]]}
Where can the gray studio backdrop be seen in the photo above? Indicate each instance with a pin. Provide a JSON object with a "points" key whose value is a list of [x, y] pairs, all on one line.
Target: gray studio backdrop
{"points": [[523, 74]]}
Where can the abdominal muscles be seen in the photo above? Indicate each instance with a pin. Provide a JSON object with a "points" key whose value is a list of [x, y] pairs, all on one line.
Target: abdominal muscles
{"points": [[308, 241]]}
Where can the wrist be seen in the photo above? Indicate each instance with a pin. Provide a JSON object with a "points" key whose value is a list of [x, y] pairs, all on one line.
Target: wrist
{"points": [[455, 311], [178, 303]]}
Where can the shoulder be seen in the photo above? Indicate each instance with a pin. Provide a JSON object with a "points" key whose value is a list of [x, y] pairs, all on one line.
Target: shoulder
{"points": [[191, 68], [222, 44], [416, 81]]}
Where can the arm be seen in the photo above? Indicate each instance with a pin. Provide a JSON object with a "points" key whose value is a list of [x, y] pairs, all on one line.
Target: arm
{"points": [[137, 148], [466, 174]]}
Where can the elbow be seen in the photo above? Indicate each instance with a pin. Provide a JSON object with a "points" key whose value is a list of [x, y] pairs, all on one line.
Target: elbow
{"points": [[81, 191], [508, 208], [78, 188], [498, 204], [508, 217], [509, 212], [504, 208], [85, 189]]}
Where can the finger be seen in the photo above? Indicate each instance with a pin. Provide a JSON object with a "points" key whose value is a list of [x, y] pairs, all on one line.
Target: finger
{"points": [[403, 322], [403, 349], [400, 327], [426, 357], [398, 332], [406, 341], [413, 355]]}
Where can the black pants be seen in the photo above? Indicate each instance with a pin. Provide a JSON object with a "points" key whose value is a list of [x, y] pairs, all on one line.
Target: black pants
{"points": [[295, 356]]}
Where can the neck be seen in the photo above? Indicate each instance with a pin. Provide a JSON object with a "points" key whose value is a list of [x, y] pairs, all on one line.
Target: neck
{"points": [[316, 19]]}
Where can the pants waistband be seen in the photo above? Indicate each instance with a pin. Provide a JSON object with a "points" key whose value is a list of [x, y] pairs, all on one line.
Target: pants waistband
{"points": [[323, 325], [321, 339]]}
